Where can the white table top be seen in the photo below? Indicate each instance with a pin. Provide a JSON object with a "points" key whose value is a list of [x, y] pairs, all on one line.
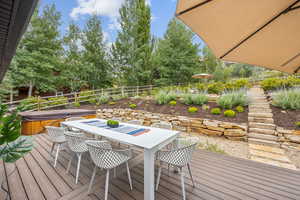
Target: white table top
{"points": [[152, 139]]}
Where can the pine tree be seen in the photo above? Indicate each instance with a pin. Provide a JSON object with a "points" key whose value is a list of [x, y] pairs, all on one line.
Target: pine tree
{"points": [[132, 50], [39, 54], [74, 75], [176, 56], [94, 55]]}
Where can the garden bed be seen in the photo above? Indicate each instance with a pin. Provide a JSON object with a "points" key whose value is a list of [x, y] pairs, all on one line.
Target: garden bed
{"points": [[286, 118], [179, 109]]}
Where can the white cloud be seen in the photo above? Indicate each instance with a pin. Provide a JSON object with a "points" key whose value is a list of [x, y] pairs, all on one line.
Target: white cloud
{"points": [[109, 8]]}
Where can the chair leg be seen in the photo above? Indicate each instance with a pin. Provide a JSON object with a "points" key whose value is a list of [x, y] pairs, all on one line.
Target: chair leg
{"points": [[69, 164], [56, 155], [106, 184], [182, 185], [78, 167], [190, 172], [52, 148], [129, 176], [92, 179], [158, 177], [115, 172]]}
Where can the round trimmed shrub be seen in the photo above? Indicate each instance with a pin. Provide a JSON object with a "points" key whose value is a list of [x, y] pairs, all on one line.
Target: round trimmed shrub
{"points": [[132, 105], [229, 113], [215, 111], [172, 103], [297, 124], [192, 109], [240, 109], [111, 103]]}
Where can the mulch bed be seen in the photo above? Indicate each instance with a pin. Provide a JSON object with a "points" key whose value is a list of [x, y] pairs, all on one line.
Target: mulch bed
{"points": [[179, 110], [286, 118]]}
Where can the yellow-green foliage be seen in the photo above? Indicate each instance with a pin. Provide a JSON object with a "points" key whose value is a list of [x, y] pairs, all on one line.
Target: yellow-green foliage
{"points": [[76, 104], [229, 113], [215, 111], [132, 105], [239, 109], [192, 109], [172, 103], [59, 100], [31, 103], [297, 124], [111, 103], [237, 84], [215, 88], [279, 83], [86, 95]]}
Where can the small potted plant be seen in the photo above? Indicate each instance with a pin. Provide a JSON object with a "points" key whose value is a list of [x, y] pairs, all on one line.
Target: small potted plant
{"points": [[113, 123]]}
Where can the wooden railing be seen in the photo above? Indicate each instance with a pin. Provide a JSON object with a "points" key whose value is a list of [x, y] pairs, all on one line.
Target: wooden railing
{"points": [[75, 97]]}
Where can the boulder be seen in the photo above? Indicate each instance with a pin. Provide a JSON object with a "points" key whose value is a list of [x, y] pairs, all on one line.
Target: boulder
{"points": [[234, 132]]}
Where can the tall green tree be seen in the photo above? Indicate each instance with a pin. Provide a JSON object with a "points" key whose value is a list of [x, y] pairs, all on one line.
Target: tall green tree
{"points": [[74, 75], [95, 56], [133, 48], [38, 57], [209, 62], [176, 57]]}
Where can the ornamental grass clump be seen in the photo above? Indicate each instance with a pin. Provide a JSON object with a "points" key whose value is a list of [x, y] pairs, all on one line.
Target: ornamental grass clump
{"points": [[164, 97], [287, 99], [231, 99], [104, 99], [195, 99]]}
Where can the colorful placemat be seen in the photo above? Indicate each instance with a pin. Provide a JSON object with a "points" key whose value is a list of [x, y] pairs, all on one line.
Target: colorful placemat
{"points": [[126, 129]]}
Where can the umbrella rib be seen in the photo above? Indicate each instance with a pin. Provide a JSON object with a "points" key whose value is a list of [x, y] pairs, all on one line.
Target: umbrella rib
{"points": [[265, 25], [192, 8]]}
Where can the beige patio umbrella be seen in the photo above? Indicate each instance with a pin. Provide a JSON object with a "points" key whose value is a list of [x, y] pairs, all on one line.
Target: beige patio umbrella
{"points": [[258, 32]]}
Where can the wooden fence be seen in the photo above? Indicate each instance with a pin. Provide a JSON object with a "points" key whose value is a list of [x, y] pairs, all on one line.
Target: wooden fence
{"points": [[43, 103]]}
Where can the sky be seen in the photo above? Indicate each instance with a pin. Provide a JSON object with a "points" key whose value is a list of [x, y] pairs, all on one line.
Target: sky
{"points": [[79, 10]]}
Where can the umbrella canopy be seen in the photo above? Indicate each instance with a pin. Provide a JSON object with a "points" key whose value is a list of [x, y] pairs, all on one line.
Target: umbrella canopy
{"points": [[202, 76], [258, 32]]}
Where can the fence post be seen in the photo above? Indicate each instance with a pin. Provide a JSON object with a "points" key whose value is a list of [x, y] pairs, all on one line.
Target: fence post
{"points": [[11, 97], [102, 92], [137, 90], [122, 91], [39, 103], [75, 97]]}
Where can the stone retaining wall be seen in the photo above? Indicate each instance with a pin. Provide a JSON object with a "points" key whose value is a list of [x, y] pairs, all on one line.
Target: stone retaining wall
{"points": [[231, 131]]}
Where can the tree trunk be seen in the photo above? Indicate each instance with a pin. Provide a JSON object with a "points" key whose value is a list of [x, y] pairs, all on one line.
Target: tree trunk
{"points": [[30, 89]]}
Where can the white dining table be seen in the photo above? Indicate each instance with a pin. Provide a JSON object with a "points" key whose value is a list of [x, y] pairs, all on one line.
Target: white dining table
{"points": [[151, 142]]}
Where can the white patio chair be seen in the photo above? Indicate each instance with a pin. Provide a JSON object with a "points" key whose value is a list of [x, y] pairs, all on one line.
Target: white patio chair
{"points": [[135, 122], [164, 125], [179, 156], [74, 119], [106, 158], [56, 135], [76, 143]]}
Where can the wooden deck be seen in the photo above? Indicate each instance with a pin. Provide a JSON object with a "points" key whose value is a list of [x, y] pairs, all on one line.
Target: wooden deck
{"points": [[217, 177]]}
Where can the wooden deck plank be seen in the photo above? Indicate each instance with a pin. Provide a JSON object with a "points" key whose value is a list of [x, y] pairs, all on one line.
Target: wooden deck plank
{"points": [[30, 185], [15, 185], [3, 194], [217, 177]]}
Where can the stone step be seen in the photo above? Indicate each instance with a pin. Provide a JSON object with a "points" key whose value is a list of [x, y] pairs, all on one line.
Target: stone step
{"points": [[262, 131], [261, 120], [273, 162], [269, 155], [263, 142], [263, 136], [266, 148], [260, 115], [270, 126]]}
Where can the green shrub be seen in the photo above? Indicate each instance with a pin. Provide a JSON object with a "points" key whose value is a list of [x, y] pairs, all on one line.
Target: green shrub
{"points": [[201, 86], [279, 83], [195, 99], [215, 111], [111, 103], [231, 99], [172, 103], [92, 101], [132, 105], [229, 113], [215, 88], [237, 84], [287, 99], [163, 97], [58, 100], [117, 97], [192, 109], [104, 99], [31, 103], [297, 124], [240, 109], [112, 123], [86, 95], [76, 104]]}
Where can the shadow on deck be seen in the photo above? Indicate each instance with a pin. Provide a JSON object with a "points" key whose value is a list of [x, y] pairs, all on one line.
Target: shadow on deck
{"points": [[217, 177]]}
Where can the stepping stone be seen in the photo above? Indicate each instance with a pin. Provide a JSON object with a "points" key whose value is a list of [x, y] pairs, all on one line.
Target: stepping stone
{"points": [[270, 126], [262, 131], [263, 136]]}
